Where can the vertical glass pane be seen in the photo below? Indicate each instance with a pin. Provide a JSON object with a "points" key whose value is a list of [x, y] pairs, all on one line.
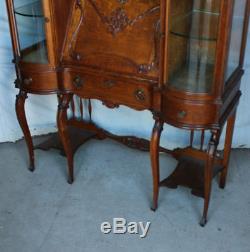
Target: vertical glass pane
{"points": [[236, 37], [192, 42], [31, 30]]}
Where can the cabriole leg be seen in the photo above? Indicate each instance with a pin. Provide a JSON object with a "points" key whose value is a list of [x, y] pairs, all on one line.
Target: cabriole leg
{"points": [[227, 149], [21, 117], [208, 173], [154, 153], [62, 118]]}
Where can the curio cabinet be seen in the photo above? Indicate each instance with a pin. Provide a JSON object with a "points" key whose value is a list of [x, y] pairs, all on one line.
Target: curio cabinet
{"points": [[182, 60]]}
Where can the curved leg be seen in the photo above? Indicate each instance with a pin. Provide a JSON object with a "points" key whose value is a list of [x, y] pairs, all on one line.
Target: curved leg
{"points": [[227, 150], [208, 174], [63, 106], [21, 117], [154, 153]]}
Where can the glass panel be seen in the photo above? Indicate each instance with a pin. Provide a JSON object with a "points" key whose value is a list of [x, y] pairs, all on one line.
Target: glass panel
{"points": [[236, 37], [31, 30], [193, 31]]}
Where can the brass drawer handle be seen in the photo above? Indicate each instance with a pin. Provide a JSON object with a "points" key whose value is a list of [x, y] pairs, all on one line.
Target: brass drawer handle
{"points": [[140, 95], [27, 81], [78, 81], [182, 114], [109, 83]]}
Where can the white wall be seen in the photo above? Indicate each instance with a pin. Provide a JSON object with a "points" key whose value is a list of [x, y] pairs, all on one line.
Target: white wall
{"points": [[41, 110]]}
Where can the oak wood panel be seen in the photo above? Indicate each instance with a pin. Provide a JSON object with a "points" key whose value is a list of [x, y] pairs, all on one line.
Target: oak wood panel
{"points": [[121, 39], [113, 91], [189, 114], [61, 10], [40, 82]]}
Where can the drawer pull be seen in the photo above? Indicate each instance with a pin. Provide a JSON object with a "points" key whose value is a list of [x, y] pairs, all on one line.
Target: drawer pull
{"points": [[182, 114], [109, 83], [140, 95], [27, 81], [78, 81]]}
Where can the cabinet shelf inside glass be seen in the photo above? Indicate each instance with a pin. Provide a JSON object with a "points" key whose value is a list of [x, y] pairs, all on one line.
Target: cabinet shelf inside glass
{"points": [[32, 10], [196, 24]]}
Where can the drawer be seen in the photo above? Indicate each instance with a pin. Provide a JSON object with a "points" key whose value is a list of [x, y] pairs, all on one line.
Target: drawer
{"points": [[113, 91], [35, 82], [183, 113]]}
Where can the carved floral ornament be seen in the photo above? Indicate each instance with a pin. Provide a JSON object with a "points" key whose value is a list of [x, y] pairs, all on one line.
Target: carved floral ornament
{"points": [[118, 20]]}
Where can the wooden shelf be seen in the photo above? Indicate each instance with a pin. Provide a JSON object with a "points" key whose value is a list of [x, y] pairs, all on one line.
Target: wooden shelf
{"points": [[189, 173]]}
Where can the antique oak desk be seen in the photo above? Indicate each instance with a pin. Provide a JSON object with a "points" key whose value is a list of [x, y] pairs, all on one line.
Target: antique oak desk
{"points": [[180, 59]]}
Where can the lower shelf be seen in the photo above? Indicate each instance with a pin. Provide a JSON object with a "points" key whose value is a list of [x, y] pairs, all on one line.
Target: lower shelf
{"points": [[80, 136], [189, 173]]}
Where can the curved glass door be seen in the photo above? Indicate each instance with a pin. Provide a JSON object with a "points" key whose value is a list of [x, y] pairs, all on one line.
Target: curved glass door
{"points": [[192, 39], [30, 22], [236, 37]]}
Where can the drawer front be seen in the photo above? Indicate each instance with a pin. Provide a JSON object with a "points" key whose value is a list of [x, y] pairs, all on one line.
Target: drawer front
{"points": [[185, 114], [120, 36], [112, 91], [35, 82]]}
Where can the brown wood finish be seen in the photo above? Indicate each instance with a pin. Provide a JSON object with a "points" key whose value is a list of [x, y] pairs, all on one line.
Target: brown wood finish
{"points": [[97, 25], [189, 114], [189, 173], [64, 133], [37, 82], [129, 53], [38, 78], [60, 12], [208, 174], [108, 88], [227, 149], [91, 131], [154, 152], [52, 141], [21, 116]]}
